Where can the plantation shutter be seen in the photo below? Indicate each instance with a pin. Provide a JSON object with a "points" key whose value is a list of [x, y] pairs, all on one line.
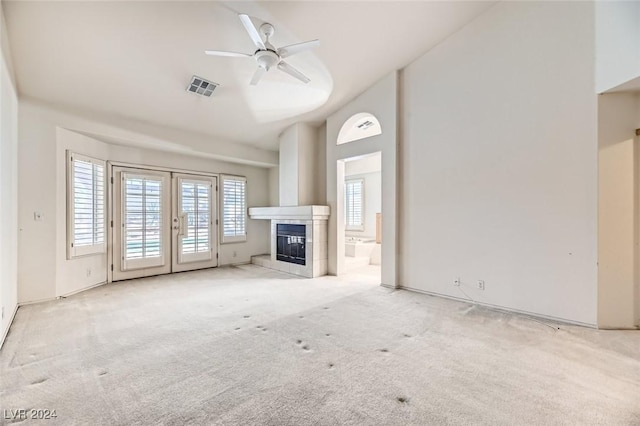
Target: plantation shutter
{"points": [[86, 205], [234, 206], [354, 205]]}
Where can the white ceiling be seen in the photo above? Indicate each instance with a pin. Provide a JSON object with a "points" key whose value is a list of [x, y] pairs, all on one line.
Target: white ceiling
{"points": [[366, 164], [631, 86], [135, 59]]}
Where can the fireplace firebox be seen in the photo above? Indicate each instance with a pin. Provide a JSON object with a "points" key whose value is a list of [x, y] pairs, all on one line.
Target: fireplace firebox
{"points": [[290, 243]]}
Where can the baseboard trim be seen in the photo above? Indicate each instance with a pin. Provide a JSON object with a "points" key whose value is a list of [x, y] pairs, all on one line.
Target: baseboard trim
{"points": [[33, 302], [62, 296], [502, 308], [634, 328], [236, 264], [6, 332], [272, 269]]}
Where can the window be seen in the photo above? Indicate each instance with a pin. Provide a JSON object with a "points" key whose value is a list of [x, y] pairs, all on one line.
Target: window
{"points": [[354, 200], [234, 206], [85, 206]]}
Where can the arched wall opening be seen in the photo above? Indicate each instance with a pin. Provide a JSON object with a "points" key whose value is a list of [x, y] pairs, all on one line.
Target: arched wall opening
{"points": [[359, 126]]}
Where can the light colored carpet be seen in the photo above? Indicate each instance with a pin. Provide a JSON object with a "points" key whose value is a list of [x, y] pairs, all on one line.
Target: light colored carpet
{"points": [[247, 345]]}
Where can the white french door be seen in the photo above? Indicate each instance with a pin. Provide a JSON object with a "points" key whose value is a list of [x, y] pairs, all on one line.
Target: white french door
{"points": [[194, 222], [141, 223], [162, 222]]}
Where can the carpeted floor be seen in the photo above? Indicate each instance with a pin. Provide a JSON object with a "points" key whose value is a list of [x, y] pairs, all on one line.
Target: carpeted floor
{"points": [[246, 345]]}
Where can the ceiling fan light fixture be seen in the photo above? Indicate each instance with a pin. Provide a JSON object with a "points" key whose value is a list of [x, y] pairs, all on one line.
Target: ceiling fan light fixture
{"points": [[267, 59]]}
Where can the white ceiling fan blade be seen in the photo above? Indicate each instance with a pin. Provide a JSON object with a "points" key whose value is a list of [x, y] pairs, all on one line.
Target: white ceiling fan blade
{"points": [[224, 53], [257, 76], [253, 32], [283, 66], [292, 49]]}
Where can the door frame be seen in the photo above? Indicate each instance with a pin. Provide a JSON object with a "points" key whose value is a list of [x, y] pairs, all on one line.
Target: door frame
{"points": [[116, 243], [110, 218]]}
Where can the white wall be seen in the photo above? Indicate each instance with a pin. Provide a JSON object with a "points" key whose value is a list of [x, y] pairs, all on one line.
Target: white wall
{"points": [[379, 100], [618, 117], [274, 186], [307, 163], [321, 166], [128, 132], [288, 167], [298, 167], [617, 43], [499, 162], [82, 272], [8, 187], [44, 271]]}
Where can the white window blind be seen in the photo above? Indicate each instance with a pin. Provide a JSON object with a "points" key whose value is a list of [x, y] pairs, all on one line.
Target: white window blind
{"points": [[86, 205], [354, 204], [142, 217], [196, 205], [234, 206]]}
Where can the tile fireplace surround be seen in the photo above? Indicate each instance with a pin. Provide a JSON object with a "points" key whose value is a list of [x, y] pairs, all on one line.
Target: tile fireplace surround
{"points": [[316, 246]]}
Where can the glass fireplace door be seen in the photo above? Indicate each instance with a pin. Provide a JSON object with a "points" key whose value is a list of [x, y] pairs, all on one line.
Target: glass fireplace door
{"points": [[291, 243]]}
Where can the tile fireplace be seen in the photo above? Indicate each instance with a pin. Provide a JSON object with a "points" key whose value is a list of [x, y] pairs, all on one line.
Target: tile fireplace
{"points": [[298, 239]]}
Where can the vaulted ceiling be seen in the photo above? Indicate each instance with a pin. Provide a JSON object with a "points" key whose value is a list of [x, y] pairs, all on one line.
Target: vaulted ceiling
{"points": [[135, 59]]}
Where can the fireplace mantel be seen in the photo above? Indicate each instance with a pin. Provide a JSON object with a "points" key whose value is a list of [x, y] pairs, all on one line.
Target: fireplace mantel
{"points": [[290, 213]]}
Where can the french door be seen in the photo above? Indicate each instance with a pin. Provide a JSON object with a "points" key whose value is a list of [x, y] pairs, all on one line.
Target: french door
{"points": [[162, 222], [194, 222]]}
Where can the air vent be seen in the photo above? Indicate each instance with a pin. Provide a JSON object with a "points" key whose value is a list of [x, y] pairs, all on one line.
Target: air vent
{"points": [[201, 86], [365, 125]]}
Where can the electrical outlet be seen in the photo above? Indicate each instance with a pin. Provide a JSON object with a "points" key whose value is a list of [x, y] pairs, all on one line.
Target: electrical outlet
{"points": [[88, 272], [456, 281], [235, 254], [480, 285]]}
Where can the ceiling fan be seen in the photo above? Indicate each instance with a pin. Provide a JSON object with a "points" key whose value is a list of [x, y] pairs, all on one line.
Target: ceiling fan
{"points": [[267, 55]]}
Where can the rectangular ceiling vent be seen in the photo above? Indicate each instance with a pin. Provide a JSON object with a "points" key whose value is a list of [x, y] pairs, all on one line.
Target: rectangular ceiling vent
{"points": [[201, 86]]}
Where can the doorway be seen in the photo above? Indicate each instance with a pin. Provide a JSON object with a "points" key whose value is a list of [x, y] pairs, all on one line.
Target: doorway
{"points": [[361, 226], [163, 222]]}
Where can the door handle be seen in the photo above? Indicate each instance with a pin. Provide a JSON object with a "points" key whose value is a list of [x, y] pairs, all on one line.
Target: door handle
{"points": [[183, 220]]}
